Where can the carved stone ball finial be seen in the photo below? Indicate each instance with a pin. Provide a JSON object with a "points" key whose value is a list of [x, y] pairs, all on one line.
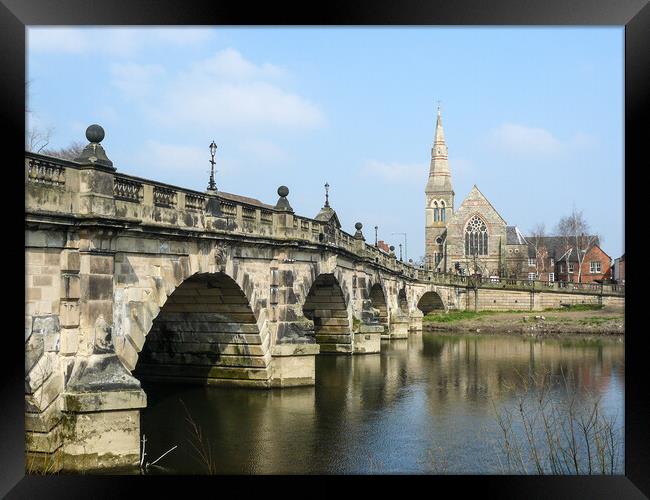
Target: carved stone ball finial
{"points": [[95, 133], [93, 154], [358, 235], [283, 203], [392, 248]]}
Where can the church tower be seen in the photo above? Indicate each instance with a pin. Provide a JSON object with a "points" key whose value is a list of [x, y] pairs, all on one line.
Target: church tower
{"points": [[439, 202]]}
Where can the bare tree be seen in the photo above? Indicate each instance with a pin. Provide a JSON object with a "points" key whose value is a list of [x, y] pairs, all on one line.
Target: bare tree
{"points": [[574, 230], [513, 268], [36, 139], [70, 152], [537, 240]]}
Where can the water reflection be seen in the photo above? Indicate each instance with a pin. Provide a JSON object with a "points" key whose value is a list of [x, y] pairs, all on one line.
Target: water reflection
{"points": [[380, 413]]}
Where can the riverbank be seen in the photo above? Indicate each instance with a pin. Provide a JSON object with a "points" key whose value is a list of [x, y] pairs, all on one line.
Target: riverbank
{"points": [[579, 320]]}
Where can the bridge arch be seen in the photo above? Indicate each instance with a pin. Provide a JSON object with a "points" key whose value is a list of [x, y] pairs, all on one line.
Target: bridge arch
{"points": [[206, 332], [379, 302], [326, 306], [145, 283], [429, 302]]}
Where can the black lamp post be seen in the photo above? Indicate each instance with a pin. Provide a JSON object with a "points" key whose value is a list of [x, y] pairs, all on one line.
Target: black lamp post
{"points": [[376, 227], [213, 150]]}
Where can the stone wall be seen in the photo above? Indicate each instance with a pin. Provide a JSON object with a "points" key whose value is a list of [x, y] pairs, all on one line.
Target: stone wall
{"points": [[47, 349], [504, 300]]}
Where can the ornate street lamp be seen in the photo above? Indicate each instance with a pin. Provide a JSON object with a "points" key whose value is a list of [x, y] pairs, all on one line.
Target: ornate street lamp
{"points": [[327, 194], [213, 150], [376, 227]]}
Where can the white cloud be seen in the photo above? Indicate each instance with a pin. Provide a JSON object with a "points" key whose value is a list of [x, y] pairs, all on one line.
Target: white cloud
{"points": [[230, 65], [163, 161], [135, 80], [67, 40], [120, 42], [523, 140], [395, 172], [240, 104], [175, 157], [227, 90]]}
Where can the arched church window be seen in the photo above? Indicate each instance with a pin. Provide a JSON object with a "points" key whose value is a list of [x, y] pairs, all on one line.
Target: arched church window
{"points": [[442, 211], [436, 215], [476, 237]]}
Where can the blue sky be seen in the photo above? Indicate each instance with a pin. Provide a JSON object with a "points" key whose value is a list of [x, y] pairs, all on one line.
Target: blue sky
{"points": [[532, 116]]}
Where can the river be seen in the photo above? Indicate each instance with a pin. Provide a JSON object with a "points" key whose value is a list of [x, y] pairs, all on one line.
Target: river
{"points": [[426, 405]]}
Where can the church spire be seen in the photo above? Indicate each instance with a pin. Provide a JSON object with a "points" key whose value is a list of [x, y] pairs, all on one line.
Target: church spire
{"points": [[439, 174], [439, 149], [439, 199]]}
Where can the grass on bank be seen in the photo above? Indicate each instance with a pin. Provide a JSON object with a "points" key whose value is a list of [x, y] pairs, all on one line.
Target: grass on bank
{"points": [[453, 316]]}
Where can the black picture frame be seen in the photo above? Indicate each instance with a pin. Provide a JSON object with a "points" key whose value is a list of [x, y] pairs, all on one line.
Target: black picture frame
{"points": [[16, 15]]}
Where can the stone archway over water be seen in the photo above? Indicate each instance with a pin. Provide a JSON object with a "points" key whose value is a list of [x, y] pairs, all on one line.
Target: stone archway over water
{"points": [[378, 299], [325, 306], [430, 302], [206, 332]]}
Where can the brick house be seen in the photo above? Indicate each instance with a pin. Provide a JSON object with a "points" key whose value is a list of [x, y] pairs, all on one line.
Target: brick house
{"points": [[550, 259], [383, 246]]}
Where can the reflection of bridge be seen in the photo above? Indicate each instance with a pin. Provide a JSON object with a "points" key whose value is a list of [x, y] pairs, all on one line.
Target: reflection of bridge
{"points": [[225, 289]]}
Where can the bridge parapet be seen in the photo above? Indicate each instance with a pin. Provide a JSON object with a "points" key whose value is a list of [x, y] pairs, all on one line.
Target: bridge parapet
{"points": [[548, 286], [70, 189], [57, 187]]}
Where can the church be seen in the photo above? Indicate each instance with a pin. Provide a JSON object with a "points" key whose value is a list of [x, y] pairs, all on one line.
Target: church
{"points": [[470, 239]]}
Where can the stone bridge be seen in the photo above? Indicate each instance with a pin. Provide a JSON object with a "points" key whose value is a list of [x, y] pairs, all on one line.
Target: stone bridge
{"points": [[129, 278]]}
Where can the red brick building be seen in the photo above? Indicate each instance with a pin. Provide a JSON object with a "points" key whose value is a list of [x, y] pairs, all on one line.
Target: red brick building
{"points": [[550, 259], [381, 244], [596, 266]]}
